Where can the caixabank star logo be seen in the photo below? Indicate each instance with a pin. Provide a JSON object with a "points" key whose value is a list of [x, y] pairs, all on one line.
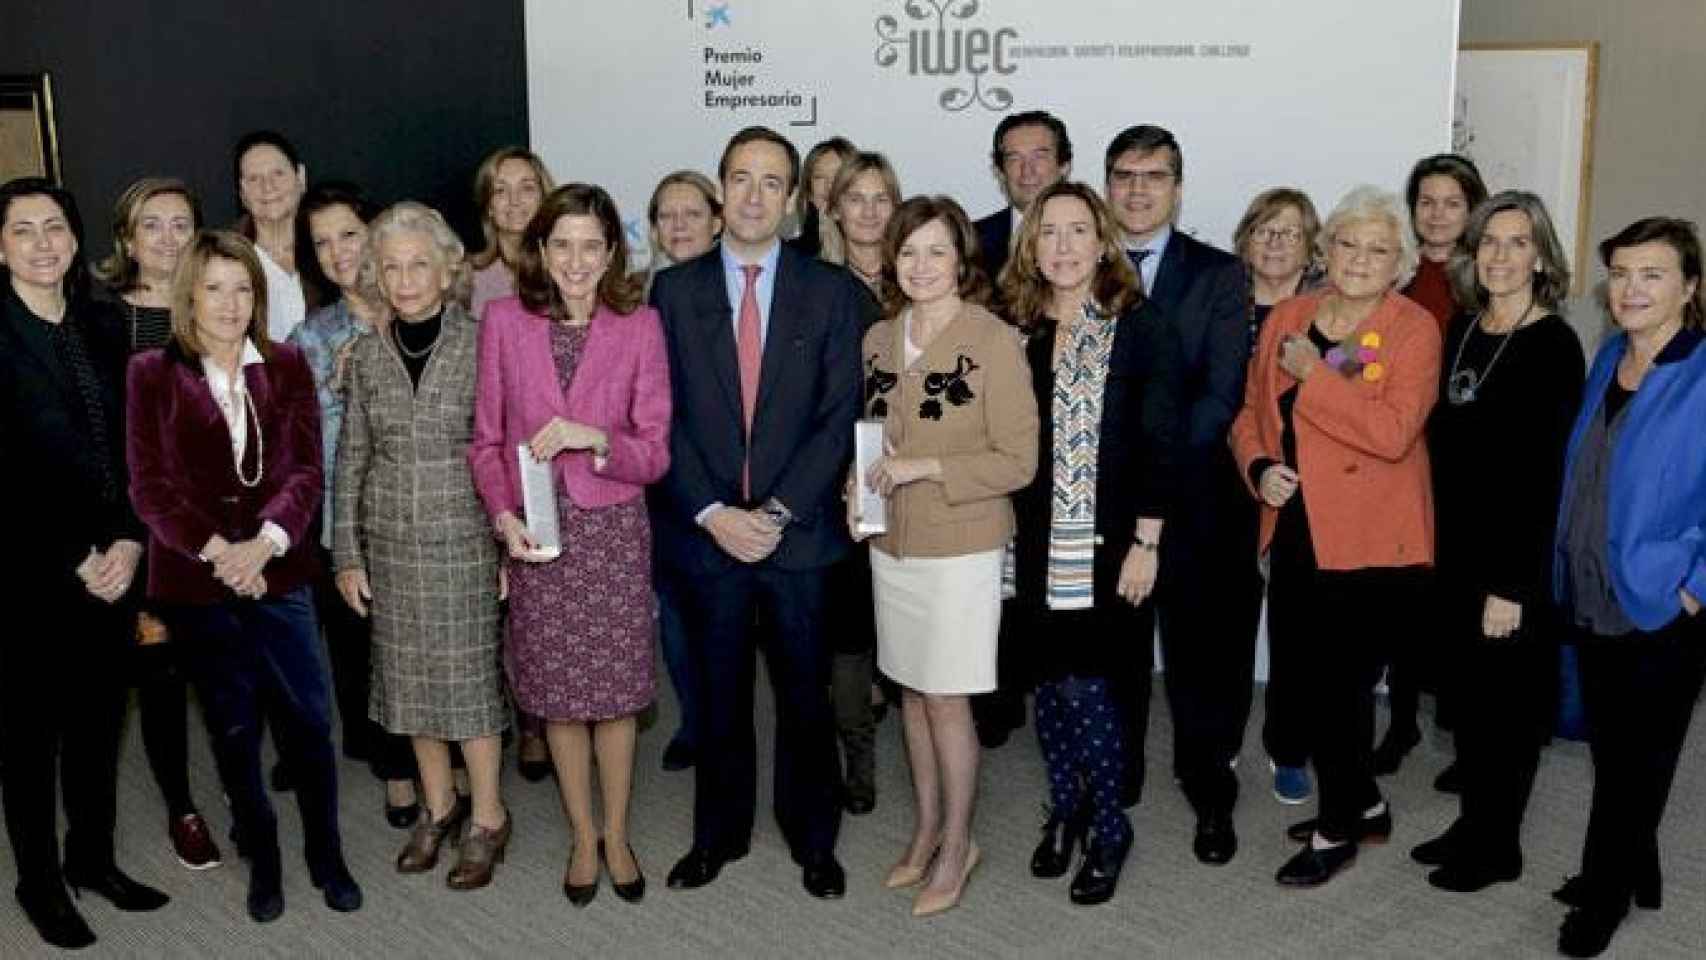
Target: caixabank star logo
{"points": [[948, 39]]}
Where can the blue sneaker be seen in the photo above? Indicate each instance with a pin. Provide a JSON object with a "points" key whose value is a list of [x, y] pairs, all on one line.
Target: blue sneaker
{"points": [[1291, 784]]}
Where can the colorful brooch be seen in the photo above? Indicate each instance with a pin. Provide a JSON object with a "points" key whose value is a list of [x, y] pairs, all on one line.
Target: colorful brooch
{"points": [[1363, 361]]}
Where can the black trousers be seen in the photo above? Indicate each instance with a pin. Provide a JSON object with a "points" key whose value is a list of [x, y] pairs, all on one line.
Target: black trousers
{"points": [[1639, 694], [63, 684], [1507, 692], [1335, 622], [163, 710], [253, 657], [349, 649], [721, 611], [1209, 605]]}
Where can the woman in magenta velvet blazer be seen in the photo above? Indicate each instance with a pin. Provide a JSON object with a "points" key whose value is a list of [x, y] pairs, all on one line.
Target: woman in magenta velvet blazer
{"points": [[574, 370], [225, 471]]}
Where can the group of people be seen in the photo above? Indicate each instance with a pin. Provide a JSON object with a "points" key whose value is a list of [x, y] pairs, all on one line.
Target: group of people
{"points": [[1093, 425]]}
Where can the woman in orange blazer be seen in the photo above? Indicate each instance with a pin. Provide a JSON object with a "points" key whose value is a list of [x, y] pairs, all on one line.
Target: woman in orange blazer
{"points": [[1330, 441]]}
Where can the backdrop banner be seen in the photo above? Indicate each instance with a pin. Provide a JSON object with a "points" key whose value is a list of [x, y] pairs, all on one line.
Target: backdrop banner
{"points": [[1322, 96]]}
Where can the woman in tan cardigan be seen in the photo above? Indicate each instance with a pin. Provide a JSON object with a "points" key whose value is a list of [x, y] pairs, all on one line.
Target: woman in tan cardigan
{"points": [[950, 382]]}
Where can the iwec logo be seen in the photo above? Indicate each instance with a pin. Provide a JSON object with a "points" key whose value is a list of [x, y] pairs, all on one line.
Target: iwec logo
{"points": [[939, 41]]}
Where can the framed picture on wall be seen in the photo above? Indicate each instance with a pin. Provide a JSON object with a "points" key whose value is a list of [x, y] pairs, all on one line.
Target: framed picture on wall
{"points": [[1524, 113], [29, 138]]}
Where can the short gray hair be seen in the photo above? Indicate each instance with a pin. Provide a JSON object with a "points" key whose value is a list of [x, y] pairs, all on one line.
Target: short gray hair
{"points": [[408, 216], [1551, 285], [1370, 204]]}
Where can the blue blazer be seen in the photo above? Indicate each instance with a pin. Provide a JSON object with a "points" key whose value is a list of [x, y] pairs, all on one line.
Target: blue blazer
{"points": [[1657, 500]]}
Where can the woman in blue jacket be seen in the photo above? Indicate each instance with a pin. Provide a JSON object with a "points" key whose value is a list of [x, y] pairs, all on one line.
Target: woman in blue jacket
{"points": [[1630, 564]]}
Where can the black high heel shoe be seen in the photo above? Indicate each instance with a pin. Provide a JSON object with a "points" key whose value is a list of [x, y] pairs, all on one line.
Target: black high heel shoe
{"points": [[56, 921], [111, 883], [1062, 836], [634, 889], [581, 894]]}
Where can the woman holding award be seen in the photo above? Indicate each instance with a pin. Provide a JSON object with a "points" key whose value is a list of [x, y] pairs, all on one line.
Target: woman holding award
{"points": [[573, 373]]}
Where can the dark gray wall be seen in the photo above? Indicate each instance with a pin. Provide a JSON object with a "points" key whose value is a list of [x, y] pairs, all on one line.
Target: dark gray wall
{"points": [[401, 96]]}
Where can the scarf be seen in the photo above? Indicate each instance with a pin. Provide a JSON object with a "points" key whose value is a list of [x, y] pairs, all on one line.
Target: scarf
{"points": [[1080, 376]]}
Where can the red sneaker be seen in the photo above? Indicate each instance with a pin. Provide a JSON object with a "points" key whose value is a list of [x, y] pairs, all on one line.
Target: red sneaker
{"points": [[193, 843]]}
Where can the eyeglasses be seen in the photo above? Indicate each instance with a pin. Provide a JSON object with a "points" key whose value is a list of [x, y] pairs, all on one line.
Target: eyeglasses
{"points": [[1284, 236], [1152, 179]]}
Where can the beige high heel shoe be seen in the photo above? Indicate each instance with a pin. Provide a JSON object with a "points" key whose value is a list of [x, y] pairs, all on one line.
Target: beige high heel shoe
{"points": [[931, 902], [907, 874]]}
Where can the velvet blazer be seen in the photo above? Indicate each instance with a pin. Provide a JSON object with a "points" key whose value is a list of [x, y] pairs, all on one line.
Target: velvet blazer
{"points": [[185, 486], [620, 385], [1362, 462]]}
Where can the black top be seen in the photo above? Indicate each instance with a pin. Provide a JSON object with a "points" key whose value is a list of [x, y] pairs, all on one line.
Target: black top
{"points": [[1498, 459], [145, 327], [416, 342]]}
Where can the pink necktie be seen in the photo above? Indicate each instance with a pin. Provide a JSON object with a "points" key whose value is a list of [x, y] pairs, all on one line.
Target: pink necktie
{"points": [[750, 346]]}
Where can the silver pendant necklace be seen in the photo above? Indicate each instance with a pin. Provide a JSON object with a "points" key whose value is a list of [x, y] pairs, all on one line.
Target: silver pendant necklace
{"points": [[1464, 385]]}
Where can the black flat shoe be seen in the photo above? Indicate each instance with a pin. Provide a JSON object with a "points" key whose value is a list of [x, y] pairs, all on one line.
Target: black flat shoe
{"points": [[1394, 747], [265, 901], [1312, 867], [1375, 829], [1099, 876], [1575, 893], [823, 878], [1062, 837], [581, 894], [56, 921], [403, 817], [699, 867], [341, 891], [1468, 873], [533, 771], [1439, 851], [678, 755], [1587, 931], [1450, 780], [633, 890], [1216, 840], [124, 893]]}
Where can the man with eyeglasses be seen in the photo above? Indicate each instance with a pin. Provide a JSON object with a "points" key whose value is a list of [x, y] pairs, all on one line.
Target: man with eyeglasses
{"points": [[1209, 593]]}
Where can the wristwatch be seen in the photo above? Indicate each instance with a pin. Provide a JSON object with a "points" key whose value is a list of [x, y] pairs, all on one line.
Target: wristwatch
{"points": [[778, 513]]}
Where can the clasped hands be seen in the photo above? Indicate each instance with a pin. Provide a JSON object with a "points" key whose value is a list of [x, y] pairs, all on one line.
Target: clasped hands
{"points": [[559, 435], [108, 574], [238, 565]]}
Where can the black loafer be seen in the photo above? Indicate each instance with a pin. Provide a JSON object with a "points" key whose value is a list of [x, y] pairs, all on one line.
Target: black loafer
{"points": [[56, 921], [341, 891], [678, 755], [1375, 829], [1468, 873], [824, 879], [1312, 867], [1062, 836], [1439, 851], [123, 892], [1216, 842], [699, 867], [1100, 874]]}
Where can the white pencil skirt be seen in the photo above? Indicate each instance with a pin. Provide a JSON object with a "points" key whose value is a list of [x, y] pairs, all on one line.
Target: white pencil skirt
{"points": [[937, 620]]}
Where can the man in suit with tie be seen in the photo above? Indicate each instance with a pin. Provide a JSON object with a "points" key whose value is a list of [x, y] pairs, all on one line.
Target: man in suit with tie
{"points": [[1209, 594], [1030, 153], [764, 368]]}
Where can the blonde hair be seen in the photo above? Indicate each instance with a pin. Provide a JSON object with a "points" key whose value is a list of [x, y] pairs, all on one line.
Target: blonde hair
{"points": [[833, 247], [1370, 204], [408, 216]]}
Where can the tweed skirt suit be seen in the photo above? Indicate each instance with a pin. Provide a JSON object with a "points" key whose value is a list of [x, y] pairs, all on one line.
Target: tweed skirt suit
{"points": [[405, 510]]}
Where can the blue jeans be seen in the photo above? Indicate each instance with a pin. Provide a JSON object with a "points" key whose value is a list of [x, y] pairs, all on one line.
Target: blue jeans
{"points": [[250, 658]]}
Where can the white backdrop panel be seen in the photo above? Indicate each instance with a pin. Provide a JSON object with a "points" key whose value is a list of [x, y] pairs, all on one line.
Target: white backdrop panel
{"points": [[1323, 95]]}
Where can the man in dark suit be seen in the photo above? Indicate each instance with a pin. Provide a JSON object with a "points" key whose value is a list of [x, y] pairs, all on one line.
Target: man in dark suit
{"points": [[1030, 153], [1209, 595], [764, 369]]}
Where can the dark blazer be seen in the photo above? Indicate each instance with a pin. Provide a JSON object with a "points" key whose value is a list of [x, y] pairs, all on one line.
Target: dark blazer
{"points": [[994, 238], [808, 398], [185, 486], [1136, 455], [1201, 291], [50, 482]]}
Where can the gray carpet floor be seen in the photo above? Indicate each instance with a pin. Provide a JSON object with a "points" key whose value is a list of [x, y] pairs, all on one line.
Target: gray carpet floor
{"points": [[1168, 905]]}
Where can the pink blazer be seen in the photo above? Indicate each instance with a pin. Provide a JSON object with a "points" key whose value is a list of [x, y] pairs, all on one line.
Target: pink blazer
{"points": [[620, 385]]}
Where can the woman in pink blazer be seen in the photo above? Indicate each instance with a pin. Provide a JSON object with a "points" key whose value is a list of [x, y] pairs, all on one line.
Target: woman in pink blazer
{"points": [[574, 370]]}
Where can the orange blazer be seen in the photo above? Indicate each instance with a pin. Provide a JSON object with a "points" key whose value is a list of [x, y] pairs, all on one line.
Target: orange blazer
{"points": [[1362, 463]]}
